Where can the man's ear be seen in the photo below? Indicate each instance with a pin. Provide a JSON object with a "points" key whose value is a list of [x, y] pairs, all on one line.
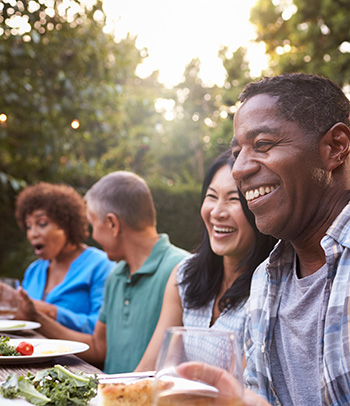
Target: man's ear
{"points": [[335, 146], [113, 223]]}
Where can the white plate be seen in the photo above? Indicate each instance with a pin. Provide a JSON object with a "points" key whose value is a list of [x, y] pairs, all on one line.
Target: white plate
{"points": [[18, 325], [44, 349]]}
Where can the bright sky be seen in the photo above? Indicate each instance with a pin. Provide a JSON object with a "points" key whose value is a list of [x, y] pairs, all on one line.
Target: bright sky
{"points": [[176, 31]]}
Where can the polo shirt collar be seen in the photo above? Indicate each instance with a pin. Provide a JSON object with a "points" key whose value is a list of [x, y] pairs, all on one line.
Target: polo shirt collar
{"points": [[151, 264]]}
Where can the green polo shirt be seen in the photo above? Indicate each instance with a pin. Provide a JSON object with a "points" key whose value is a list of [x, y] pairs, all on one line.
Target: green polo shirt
{"points": [[131, 306]]}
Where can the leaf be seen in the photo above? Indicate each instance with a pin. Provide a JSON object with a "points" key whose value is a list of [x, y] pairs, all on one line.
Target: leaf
{"points": [[9, 388], [28, 391], [63, 372]]}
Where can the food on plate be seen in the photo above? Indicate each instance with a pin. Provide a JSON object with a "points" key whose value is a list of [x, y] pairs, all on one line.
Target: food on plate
{"points": [[139, 393], [25, 348], [6, 349], [58, 350], [12, 326], [55, 386]]}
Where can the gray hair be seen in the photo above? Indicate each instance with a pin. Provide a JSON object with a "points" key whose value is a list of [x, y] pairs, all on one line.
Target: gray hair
{"points": [[126, 195]]}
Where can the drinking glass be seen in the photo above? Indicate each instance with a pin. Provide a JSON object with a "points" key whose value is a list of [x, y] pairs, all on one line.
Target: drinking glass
{"points": [[219, 349], [8, 297]]}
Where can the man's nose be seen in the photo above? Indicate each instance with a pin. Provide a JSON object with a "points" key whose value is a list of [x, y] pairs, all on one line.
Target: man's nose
{"points": [[243, 166]]}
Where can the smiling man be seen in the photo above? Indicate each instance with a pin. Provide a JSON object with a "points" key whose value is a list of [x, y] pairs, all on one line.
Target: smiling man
{"points": [[291, 147], [291, 144]]}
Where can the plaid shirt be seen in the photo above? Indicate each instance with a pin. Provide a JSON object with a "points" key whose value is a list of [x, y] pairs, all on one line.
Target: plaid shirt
{"points": [[266, 291]]}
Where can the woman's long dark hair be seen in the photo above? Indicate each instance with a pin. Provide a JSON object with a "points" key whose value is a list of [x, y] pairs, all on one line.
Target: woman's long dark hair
{"points": [[205, 270]]}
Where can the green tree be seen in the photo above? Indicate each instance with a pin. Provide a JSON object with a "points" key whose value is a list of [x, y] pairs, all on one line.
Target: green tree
{"points": [[184, 141], [312, 36], [238, 75], [137, 148], [59, 69]]}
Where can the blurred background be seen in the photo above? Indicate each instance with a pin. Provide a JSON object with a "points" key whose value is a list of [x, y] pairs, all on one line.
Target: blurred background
{"points": [[89, 87]]}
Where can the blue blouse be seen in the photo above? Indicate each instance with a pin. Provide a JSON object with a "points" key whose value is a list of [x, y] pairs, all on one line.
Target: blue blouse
{"points": [[79, 296]]}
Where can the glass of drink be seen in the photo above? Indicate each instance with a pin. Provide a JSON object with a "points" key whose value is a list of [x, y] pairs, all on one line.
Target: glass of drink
{"points": [[8, 297], [186, 346]]}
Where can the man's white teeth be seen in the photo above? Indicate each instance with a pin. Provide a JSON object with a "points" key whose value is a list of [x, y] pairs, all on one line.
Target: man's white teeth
{"points": [[261, 191], [223, 230]]}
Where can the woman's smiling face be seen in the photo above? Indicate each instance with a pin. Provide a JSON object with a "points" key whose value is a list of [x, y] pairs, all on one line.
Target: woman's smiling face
{"points": [[230, 233]]}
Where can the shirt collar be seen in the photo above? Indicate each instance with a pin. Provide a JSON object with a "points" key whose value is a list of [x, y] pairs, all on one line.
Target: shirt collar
{"points": [[152, 262], [340, 229]]}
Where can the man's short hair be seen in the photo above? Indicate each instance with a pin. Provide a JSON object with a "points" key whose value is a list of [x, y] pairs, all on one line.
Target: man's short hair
{"points": [[313, 102], [126, 195]]}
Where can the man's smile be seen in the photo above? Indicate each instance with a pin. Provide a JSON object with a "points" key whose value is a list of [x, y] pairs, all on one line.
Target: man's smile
{"points": [[260, 191]]}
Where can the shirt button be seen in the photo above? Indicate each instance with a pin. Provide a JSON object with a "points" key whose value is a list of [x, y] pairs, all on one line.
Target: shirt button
{"points": [[126, 302], [263, 348]]}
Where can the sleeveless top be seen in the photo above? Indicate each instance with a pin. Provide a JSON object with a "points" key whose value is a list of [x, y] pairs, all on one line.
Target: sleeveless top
{"points": [[229, 320]]}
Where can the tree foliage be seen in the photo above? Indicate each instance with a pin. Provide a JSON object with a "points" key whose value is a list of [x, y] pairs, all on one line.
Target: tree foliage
{"points": [[62, 68], [237, 76], [189, 132], [312, 36]]}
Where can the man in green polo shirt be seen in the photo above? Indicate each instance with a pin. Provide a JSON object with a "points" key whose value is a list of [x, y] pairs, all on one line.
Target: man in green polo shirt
{"points": [[121, 212], [132, 305]]}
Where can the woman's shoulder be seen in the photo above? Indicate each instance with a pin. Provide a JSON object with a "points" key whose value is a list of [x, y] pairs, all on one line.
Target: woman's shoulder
{"points": [[95, 253], [35, 271], [37, 265], [183, 265], [94, 259]]}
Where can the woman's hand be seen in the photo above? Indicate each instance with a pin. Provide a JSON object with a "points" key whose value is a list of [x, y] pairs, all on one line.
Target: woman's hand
{"points": [[214, 376], [26, 310], [29, 308], [47, 308]]}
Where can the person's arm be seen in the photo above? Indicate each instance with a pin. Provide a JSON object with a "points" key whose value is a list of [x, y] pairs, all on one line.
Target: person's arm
{"points": [[170, 315], [50, 328], [222, 380], [48, 308], [77, 321]]}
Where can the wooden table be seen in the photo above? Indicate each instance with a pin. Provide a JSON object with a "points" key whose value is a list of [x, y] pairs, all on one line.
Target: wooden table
{"points": [[73, 362]]}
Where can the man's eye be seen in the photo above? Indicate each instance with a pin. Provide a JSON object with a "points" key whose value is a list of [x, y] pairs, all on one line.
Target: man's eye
{"points": [[43, 224], [263, 146], [235, 154]]}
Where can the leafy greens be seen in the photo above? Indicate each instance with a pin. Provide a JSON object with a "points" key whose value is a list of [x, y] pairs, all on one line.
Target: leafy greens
{"points": [[6, 349], [55, 386]]}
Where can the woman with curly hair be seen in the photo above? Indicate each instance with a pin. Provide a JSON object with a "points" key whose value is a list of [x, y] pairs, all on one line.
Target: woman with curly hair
{"points": [[210, 288], [67, 281]]}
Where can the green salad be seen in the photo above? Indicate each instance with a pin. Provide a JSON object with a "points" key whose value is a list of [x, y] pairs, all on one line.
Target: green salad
{"points": [[55, 386], [7, 349]]}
